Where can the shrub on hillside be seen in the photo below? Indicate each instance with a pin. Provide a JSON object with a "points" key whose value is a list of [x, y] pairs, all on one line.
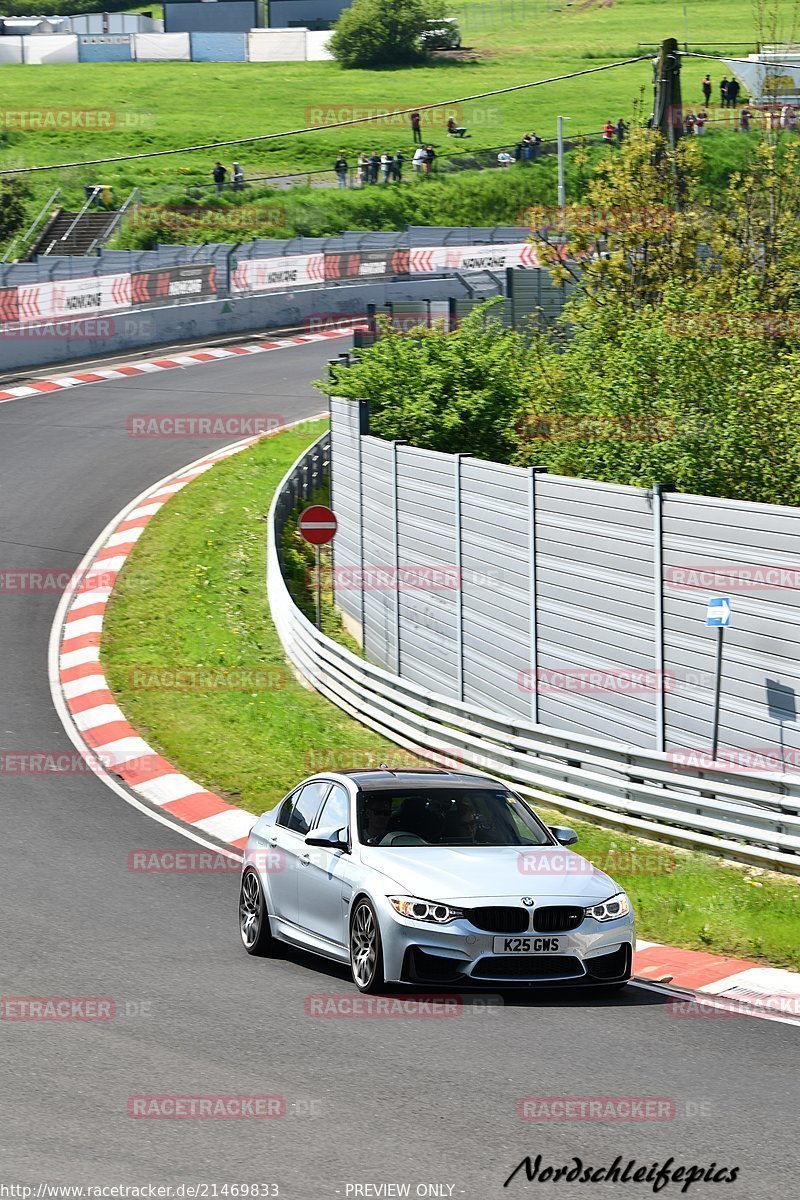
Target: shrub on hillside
{"points": [[373, 33]]}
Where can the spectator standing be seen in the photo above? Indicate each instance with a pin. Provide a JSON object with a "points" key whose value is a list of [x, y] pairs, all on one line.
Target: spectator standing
{"points": [[689, 122], [700, 122], [745, 117], [374, 166], [363, 168], [219, 175], [622, 129], [734, 87], [430, 158], [341, 169], [609, 132], [723, 91], [386, 166], [397, 166], [238, 177], [420, 157], [416, 123], [706, 86]]}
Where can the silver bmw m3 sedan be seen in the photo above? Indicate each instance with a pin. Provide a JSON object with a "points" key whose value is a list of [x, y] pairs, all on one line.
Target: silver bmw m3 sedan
{"points": [[430, 877]]}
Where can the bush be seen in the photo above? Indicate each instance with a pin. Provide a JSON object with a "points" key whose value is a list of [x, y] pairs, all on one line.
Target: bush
{"points": [[374, 33], [13, 195]]}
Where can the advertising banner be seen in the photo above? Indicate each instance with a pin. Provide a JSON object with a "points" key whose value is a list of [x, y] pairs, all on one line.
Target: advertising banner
{"points": [[174, 283], [278, 274], [495, 257], [73, 297], [366, 264]]}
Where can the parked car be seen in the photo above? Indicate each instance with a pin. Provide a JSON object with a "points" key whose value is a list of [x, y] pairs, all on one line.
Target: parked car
{"points": [[432, 877], [444, 35]]}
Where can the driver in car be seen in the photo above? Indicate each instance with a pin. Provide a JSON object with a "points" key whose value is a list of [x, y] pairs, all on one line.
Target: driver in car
{"points": [[377, 811]]}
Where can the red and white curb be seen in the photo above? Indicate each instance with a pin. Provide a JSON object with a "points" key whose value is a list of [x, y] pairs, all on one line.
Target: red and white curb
{"points": [[149, 365], [96, 725], [115, 751]]}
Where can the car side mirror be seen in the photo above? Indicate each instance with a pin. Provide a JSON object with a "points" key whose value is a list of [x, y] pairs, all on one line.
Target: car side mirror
{"points": [[330, 839], [564, 835]]}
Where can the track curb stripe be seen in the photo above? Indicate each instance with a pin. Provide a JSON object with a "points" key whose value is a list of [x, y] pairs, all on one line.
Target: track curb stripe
{"points": [[146, 366]]}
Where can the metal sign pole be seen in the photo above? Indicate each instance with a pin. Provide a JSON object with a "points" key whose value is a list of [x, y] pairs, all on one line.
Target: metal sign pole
{"points": [[319, 587], [718, 615], [717, 689]]}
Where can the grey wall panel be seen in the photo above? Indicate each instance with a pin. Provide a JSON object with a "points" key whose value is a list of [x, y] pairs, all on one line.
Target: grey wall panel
{"points": [[596, 601]]}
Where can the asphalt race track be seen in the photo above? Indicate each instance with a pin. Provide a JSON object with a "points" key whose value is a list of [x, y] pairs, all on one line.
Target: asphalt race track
{"points": [[369, 1101]]}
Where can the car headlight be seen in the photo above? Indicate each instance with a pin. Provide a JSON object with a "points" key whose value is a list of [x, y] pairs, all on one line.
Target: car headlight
{"points": [[424, 910], [610, 910]]}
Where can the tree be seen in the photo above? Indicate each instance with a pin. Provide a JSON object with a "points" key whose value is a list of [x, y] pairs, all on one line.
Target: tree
{"points": [[376, 33], [13, 195]]}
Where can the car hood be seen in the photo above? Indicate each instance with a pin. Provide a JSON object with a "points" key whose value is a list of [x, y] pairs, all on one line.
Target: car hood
{"points": [[462, 873]]}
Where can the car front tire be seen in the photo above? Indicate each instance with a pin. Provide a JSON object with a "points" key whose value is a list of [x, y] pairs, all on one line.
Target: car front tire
{"points": [[254, 926], [366, 949]]}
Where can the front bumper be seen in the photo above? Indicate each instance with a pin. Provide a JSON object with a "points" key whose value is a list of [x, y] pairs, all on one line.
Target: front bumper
{"points": [[420, 953]]}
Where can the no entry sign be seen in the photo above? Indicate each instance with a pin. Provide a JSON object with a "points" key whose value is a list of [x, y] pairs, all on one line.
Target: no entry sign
{"points": [[317, 524]]}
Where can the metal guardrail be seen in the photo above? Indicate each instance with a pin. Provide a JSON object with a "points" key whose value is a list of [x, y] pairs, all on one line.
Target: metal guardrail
{"points": [[757, 821], [23, 240]]}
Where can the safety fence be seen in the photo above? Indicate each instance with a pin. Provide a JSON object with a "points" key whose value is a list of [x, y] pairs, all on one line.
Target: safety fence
{"points": [[752, 819], [116, 280], [259, 45]]}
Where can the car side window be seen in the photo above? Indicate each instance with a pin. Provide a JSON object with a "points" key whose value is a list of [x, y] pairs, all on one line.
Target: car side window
{"points": [[306, 805], [336, 810], [287, 808]]}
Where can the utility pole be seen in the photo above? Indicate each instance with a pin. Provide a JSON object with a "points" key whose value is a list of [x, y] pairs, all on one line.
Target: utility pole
{"points": [[667, 114], [562, 194]]}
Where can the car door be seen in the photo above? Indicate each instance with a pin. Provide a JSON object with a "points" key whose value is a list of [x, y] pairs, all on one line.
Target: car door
{"points": [[325, 877], [293, 822]]}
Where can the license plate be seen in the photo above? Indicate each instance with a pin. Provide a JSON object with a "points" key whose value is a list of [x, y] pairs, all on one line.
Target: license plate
{"points": [[527, 945]]}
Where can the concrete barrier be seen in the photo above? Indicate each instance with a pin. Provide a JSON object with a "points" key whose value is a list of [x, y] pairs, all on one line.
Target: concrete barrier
{"points": [[317, 45], [10, 50], [110, 47], [276, 45], [44, 344], [219, 47], [54, 48], [162, 47]]}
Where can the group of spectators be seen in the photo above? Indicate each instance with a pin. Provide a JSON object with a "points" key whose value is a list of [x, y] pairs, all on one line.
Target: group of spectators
{"points": [[220, 174], [384, 168], [614, 132], [728, 91]]}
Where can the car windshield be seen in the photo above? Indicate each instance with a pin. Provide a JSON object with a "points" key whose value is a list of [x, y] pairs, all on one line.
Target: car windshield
{"points": [[447, 816]]}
